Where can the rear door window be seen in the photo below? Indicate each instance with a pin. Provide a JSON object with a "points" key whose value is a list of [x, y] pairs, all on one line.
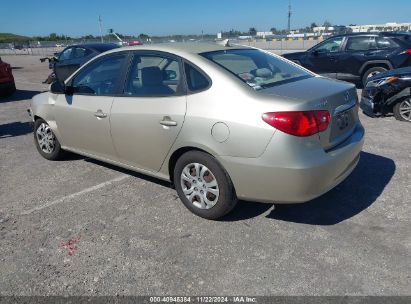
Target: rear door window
{"points": [[360, 43], [81, 52], [153, 75]]}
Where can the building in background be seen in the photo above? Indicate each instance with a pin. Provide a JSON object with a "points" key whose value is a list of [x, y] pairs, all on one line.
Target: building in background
{"points": [[387, 27]]}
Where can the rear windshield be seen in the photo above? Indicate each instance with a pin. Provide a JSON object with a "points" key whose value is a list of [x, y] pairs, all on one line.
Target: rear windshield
{"points": [[257, 68]]}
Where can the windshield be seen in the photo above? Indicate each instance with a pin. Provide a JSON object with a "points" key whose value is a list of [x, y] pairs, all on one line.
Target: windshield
{"points": [[257, 68]]}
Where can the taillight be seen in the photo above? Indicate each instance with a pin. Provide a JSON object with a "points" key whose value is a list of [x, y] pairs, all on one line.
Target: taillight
{"points": [[299, 123], [408, 52]]}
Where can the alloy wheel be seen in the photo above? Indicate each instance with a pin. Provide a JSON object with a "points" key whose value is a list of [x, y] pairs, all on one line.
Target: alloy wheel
{"points": [[46, 138], [199, 186], [405, 109]]}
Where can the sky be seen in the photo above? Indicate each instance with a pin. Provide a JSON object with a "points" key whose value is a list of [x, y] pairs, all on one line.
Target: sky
{"points": [[162, 17]]}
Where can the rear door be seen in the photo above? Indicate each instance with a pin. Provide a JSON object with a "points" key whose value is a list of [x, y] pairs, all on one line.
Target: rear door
{"points": [[357, 51], [147, 118]]}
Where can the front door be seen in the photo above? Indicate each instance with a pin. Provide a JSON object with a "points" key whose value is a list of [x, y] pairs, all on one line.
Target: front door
{"points": [[83, 119], [325, 58], [147, 118]]}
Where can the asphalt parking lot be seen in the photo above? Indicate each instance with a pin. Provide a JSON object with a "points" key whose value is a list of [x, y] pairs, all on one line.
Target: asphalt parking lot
{"points": [[81, 227]]}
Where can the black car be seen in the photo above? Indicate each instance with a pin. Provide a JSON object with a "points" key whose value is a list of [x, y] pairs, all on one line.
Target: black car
{"points": [[74, 56], [358, 56], [388, 92]]}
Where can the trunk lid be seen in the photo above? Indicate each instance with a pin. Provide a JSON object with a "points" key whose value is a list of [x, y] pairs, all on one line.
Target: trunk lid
{"points": [[317, 93]]}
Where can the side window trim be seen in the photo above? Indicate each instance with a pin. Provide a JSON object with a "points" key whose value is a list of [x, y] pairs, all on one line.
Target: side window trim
{"points": [[189, 92], [182, 85], [117, 90]]}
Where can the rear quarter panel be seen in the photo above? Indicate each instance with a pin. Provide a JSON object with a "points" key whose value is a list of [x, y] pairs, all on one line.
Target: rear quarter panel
{"points": [[234, 108]]}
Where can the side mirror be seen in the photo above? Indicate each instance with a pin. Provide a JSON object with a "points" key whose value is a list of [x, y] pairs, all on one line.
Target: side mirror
{"points": [[57, 88], [316, 53], [69, 90]]}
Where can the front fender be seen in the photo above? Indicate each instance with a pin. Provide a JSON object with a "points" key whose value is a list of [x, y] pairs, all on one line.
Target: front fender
{"points": [[42, 106]]}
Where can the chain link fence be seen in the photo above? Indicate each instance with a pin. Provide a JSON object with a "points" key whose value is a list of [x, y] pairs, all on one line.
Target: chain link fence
{"points": [[48, 48]]}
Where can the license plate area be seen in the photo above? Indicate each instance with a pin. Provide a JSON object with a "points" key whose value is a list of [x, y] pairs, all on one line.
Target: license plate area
{"points": [[343, 120]]}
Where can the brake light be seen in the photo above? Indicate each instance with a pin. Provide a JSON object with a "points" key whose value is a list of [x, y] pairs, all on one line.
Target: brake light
{"points": [[408, 52], [299, 123]]}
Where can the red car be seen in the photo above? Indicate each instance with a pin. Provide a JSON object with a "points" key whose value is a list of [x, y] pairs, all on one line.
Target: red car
{"points": [[135, 42], [7, 85]]}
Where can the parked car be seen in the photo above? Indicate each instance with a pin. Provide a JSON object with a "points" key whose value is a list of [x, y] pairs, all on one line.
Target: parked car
{"points": [[221, 123], [7, 84], [388, 92], [135, 42], [356, 57], [74, 56]]}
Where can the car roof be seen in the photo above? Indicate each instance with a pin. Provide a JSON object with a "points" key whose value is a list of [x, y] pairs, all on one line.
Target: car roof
{"points": [[185, 47], [100, 47]]}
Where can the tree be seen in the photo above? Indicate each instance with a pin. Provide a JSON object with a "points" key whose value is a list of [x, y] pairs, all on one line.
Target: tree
{"points": [[252, 31], [53, 37], [313, 25], [327, 24], [274, 30], [87, 37], [143, 37]]}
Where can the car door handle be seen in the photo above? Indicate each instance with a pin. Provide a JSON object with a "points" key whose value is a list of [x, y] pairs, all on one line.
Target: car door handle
{"points": [[168, 122], [100, 114]]}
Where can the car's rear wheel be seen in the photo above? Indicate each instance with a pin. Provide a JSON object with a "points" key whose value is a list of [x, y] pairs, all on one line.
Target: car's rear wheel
{"points": [[371, 72], [46, 142], [402, 110], [203, 185]]}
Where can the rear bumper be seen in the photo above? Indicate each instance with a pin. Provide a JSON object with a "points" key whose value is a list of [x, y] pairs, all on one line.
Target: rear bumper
{"points": [[294, 170]]}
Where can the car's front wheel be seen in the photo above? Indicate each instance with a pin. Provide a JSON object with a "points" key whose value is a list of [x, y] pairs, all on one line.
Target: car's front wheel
{"points": [[203, 185], [402, 110], [46, 142]]}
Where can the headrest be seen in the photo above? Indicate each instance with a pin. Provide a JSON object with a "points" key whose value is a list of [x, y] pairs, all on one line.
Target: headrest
{"points": [[151, 76], [264, 72]]}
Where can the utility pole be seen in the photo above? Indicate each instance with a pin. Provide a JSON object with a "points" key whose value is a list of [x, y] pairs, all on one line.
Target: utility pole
{"points": [[289, 16], [101, 28]]}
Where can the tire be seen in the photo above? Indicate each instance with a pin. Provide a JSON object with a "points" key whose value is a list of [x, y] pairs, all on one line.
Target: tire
{"points": [[50, 147], [402, 109], [9, 91], [371, 72], [218, 197]]}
